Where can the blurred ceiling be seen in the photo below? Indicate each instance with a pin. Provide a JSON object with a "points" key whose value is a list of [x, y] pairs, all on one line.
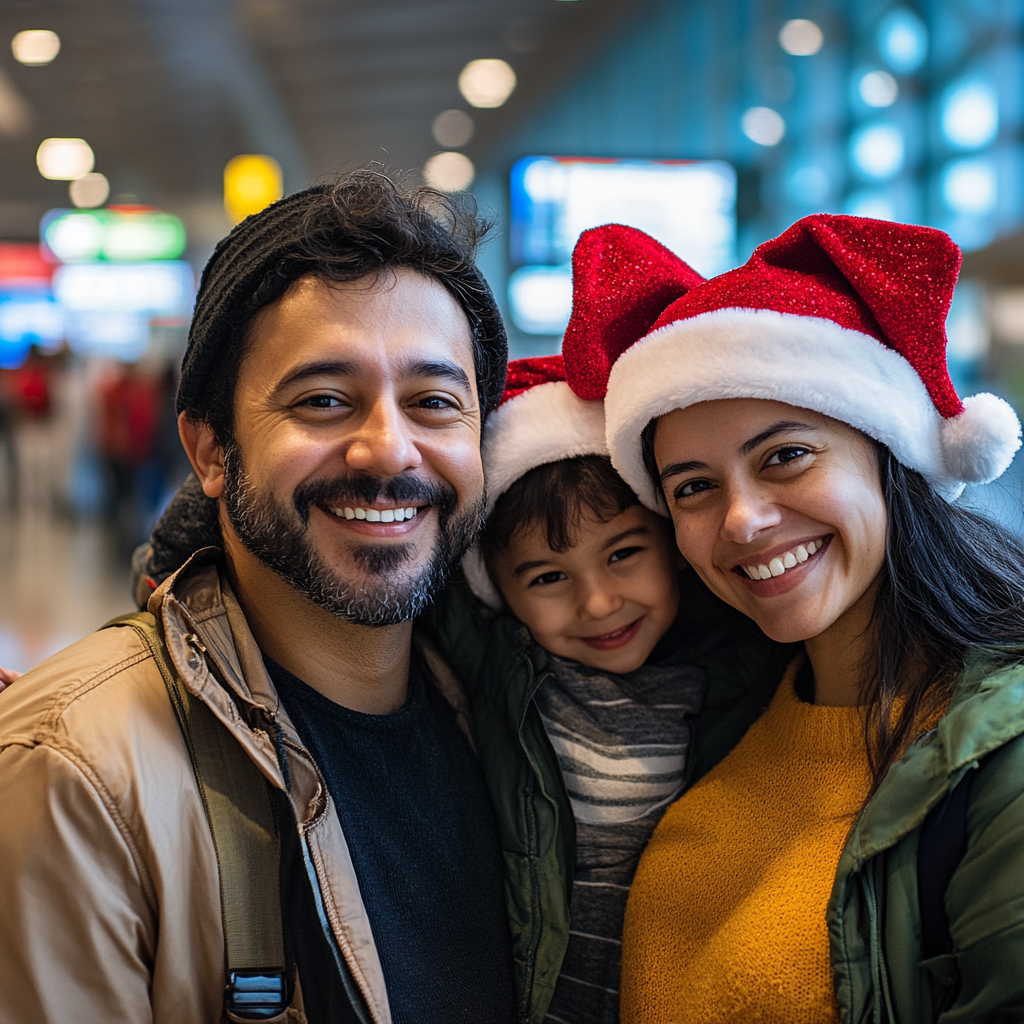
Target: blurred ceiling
{"points": [[166, 91]]}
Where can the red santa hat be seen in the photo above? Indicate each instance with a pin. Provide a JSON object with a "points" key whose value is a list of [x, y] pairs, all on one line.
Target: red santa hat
{"points": [[842, 315], [539, 420]]}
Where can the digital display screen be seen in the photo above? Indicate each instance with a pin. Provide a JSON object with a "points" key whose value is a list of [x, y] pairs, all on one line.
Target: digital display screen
{"points": [[687, 205]]}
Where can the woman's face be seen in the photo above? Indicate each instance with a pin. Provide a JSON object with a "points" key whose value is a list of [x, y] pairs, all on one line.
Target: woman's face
{"points": [[779, 510]]}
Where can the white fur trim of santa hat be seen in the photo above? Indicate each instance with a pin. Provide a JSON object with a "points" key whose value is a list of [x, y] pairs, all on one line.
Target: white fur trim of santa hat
{"points": [[811, 363], [546, 423]]}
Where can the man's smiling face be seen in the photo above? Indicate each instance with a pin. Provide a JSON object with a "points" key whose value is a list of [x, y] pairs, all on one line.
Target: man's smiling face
{"points": [[355, 469]]}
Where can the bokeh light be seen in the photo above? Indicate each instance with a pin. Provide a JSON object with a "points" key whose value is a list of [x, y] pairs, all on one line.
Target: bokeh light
{"points": [[449, 172], [801, 38], [487, 82], [64, 159], [89, 190], [35, 46], [969, 186], [903, 40], [763, 126], [878, 89], [452, 128], [877, 151], [970, 114], [251, 183]]}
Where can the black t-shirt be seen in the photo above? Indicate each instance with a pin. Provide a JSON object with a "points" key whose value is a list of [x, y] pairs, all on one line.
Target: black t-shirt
{"points": [[421, 832]]}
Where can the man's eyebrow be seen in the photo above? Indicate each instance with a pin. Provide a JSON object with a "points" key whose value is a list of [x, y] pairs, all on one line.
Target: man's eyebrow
{"points": [[323, 368], [748, 446], [635, 531], [451, 372]]}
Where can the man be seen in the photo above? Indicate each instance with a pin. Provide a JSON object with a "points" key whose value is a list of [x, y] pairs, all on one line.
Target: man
{"points": [[343, 355]]}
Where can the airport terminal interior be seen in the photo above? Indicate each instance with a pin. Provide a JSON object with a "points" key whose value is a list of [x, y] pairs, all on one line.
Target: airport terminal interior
{"points": [[135, 133]]}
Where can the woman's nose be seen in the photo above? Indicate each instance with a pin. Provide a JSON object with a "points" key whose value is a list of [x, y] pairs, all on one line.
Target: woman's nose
{"points": [[748, 512], [382, 443]]}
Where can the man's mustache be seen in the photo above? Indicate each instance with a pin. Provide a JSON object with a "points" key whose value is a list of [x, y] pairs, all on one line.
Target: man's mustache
{"points": [[361, 490]]}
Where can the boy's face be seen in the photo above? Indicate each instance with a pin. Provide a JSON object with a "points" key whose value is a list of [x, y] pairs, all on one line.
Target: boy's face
{"points": [[607, 600]]}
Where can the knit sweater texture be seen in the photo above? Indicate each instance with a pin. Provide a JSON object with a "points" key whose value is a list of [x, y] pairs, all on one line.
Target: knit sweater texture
{"points": [[726, 917]]}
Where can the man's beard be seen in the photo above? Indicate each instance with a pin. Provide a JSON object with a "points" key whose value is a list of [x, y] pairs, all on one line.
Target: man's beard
{"points": [[390, 592]]}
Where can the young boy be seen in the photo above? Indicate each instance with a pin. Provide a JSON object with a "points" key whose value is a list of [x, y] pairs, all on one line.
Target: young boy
{"points": [[594, 576]]}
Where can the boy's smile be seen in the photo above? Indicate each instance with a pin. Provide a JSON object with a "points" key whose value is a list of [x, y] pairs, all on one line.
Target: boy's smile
{"points": [[607, 600]]}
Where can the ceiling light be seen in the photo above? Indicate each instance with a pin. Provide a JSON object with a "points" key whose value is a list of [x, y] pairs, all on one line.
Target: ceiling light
{"points": [[251, 183], [903, 40], [35, 46], [877, 150], [763, 126], [90, 190], [64, 159], [970, 114], [452, 128], [487, 83], [878, 89], [801, 37], [449, 172]]}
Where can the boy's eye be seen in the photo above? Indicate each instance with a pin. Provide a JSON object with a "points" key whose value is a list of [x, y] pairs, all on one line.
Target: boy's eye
{"points": [[546, 578], [692, 487], [621, 553], [787, 455]]}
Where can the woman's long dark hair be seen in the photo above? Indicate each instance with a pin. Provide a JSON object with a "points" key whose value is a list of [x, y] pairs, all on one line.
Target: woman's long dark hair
{"points": [[953, 581]]}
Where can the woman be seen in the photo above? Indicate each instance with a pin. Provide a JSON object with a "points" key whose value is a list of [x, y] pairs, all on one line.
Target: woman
{"points": [[851, 847]]}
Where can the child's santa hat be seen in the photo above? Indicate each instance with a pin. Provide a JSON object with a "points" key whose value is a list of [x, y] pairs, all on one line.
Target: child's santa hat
{"points": [[842, 315], [539, 420]]}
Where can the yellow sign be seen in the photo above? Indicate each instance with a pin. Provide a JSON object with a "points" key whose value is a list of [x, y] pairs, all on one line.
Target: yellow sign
{"points": [[251, 182]]}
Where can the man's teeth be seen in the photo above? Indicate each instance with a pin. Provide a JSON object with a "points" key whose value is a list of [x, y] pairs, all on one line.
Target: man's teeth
{"points": [[374, 515], [777, 566]]}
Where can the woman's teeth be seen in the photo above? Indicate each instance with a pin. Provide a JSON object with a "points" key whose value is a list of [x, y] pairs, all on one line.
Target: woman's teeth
{"points": [[778, 565], [375, 515]]}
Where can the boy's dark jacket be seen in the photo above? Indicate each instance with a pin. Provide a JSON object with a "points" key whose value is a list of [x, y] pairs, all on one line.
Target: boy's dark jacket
{"points": [[873, 915]]}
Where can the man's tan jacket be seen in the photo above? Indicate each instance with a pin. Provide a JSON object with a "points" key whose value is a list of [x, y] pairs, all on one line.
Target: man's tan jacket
{"points": [[109, 897]]}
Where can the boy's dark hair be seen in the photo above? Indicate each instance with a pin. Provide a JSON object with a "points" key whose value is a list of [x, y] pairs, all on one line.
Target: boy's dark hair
{"points": [[558, 496], [360, 224]]}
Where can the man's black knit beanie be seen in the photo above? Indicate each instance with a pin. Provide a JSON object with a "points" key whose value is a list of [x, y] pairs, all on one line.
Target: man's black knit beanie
{"points": [[234, 271]]}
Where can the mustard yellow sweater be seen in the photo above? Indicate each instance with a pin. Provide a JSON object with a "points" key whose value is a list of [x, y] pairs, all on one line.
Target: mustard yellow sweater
{"points": [[726, 918]]}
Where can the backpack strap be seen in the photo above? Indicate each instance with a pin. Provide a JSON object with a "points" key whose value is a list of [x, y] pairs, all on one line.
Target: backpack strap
{"points": [[238, 803], [941, 845]]}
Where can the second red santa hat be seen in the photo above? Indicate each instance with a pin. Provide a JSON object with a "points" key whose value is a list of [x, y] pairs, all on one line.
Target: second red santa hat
{"points": [[842, 315]]}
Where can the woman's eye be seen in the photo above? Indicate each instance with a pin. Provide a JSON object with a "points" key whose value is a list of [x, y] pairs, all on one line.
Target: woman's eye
{"points": [[786, 455], [621, 553], [692, 487], [546, 578]]}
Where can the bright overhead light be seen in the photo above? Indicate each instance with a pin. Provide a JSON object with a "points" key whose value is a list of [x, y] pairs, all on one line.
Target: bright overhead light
{"points": [[64, 159], [35, 46], [763, 126], [970, 187], [970, 114], [449, 172], [879, 89], [89, 190], [487, 83], [251, 183], [452, 128], [878, 150], [903, 40], [801, 37]]}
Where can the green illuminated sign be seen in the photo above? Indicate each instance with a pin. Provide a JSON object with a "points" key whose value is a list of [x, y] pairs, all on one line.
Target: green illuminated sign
{"points": [[74, 236]]}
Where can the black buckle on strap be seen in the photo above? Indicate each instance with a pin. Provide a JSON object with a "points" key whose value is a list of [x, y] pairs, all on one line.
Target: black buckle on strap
{"points": [[256, 995]]}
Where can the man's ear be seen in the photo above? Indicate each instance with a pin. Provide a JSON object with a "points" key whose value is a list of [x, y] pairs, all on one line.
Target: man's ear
{"points": [[205, 454]]}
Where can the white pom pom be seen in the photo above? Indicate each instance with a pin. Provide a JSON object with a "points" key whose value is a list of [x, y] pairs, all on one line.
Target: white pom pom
{"points": [[980, 443]]}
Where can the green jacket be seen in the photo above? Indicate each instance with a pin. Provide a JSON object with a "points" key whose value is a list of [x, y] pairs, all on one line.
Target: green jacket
{"points": [[501, 667]]}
